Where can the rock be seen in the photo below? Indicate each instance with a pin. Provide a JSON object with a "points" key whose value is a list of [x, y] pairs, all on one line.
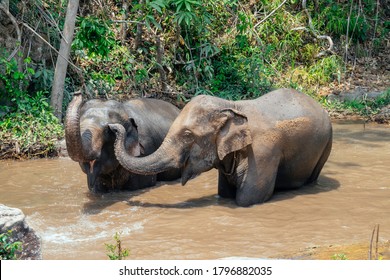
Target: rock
{"points": [[14, 219], [383, 116], [61, 148], [357, 94]]}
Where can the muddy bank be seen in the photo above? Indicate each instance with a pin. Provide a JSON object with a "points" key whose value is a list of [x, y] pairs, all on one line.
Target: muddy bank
{"points": [[358, 251]]}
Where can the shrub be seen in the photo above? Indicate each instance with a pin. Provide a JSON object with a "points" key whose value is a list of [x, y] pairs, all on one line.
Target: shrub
{"points": [[9, 248], [28, 127]]}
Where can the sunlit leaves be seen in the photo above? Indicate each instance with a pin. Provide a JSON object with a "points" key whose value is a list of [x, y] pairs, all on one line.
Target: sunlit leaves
{"points": [[186, 11], [95, 36]]}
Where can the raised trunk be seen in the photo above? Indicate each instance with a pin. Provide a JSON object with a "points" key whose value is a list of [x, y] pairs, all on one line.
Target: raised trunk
{"points": [[74, 144], [157, 162]]}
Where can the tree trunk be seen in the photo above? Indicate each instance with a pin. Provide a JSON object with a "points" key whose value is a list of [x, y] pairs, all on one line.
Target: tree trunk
{"points": [[125, 7], [57, 94], [5, 3], [138, 36], [160, 55]]}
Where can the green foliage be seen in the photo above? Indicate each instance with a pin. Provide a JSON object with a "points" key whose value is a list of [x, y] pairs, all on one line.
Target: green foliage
{"points": [[369, 106], [186, 11], [115, 251], [240, 75], [9, 248], [13, 81], [326, 69], [382, 100], [364, 106], [339, 257], [217, 47], [148, 13], [357, 19], [95, 36], [43, 78], [28, 127]]}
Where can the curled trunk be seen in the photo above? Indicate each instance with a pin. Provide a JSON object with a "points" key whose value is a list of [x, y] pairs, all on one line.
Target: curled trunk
{"points": [[74, 143], [157, 162]]}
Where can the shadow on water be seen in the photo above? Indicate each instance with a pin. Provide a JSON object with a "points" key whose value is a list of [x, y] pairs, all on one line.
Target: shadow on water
{"points": [[324, 184], [199, 202], [344, 164], [100, 201]]}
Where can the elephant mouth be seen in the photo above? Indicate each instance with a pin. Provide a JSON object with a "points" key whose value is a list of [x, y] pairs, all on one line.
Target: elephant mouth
{"points": [[186, 172], [186, 176]]}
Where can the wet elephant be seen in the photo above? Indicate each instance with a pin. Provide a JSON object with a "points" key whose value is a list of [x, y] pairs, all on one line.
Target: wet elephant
{"points": [[278, 141], [90, 142]]}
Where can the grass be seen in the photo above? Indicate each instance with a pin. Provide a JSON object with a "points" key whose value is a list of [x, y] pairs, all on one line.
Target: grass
{"points": [[23, 135], [364, 107]]}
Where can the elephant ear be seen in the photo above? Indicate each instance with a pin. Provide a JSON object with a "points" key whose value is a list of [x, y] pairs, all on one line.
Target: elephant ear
{"points": [[234, 134], [132, 143]]}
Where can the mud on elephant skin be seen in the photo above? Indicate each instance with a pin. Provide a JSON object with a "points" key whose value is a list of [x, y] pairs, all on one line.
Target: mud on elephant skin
{"points": [[278, 141], [90, 142]]}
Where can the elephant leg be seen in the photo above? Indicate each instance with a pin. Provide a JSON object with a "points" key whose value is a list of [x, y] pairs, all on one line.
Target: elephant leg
{"points": [[225, 189], [259, 183], [321, 162]]}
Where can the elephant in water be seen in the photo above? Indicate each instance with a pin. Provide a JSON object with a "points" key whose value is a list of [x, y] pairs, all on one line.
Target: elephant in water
{"points": [[90, 142], [278, 141]]}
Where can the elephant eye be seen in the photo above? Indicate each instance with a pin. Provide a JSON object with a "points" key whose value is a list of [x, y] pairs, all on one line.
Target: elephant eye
{"points": [[188, 136]]}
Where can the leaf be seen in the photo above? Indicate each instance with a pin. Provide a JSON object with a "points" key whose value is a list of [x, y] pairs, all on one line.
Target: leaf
{"points": [[188, 6], [156, 7]]}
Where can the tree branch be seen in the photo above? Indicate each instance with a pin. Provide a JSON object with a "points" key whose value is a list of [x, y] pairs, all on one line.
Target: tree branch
{"points": [[312, 30], [4, 8], [270, 14], [53, 48]]}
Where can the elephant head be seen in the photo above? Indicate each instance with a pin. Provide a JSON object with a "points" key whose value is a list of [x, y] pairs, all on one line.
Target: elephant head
{"points": [[204, 133], [90, 142]]}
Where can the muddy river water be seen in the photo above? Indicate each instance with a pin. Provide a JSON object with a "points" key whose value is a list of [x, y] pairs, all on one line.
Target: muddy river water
{"points": [[170, 221]]}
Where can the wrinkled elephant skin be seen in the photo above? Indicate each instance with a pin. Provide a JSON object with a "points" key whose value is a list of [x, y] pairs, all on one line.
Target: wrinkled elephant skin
{"points": [[91, 143], [278, 141]]}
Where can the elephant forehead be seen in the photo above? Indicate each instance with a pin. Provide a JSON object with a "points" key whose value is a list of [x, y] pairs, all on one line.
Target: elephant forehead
{"points": [[195, 116], [93, 123], [201, 106], [102, 116], [95, 113]]}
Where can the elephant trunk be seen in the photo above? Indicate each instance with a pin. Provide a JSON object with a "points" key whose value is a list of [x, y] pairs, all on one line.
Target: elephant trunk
{"points": [[157, 162], [73, 140]]}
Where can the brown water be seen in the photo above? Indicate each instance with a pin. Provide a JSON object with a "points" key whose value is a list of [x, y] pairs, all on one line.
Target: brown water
{"points": [[175, 222]]}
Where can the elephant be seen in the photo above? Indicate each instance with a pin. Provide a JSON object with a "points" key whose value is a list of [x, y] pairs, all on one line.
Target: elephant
{"points": [[90, 142], [279, 141]]}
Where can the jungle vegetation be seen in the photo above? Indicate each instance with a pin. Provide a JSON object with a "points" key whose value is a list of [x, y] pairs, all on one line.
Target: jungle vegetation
{"points": [[173, 50]]}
